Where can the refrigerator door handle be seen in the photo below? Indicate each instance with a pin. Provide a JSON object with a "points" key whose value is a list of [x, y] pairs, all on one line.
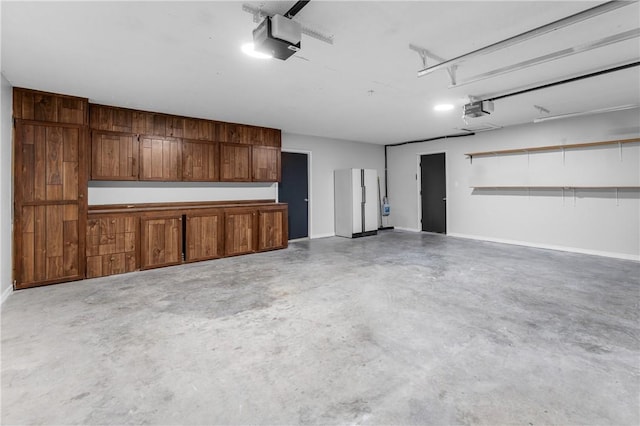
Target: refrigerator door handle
{"points": [[364, 195]]}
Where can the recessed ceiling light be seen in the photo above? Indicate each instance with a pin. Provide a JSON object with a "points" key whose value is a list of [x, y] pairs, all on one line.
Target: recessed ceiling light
{"points": [[248, 49], [443, 107]]}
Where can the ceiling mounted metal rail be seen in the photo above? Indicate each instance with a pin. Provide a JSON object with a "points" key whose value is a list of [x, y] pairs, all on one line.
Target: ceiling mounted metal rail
{"points": [[527, 35], [585, 47], [296, 8]]}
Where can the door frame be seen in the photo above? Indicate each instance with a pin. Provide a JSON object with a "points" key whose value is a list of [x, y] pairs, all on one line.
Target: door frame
{"points": [[419, 186], [309, 186]]}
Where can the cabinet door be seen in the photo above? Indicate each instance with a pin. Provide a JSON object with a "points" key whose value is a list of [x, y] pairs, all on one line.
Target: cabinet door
{"points": [[205, 236], [200, 161], [50, 186], [265, 163], [161, 241], [49, 249], [48, 161], [272, 228], [240, 231], [235, 161], [111, 245], [110, 118], [175, 126], [41, 106], [114, 156], [160, 159]]}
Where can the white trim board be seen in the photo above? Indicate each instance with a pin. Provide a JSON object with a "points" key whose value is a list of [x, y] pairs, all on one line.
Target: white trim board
{"points": [[5, 294], [316, 236], [623, 256]]}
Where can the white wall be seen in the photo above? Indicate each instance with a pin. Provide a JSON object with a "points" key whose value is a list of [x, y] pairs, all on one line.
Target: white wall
{"points": [[109, 192], [593, 221], [326, 156], [6, 197]]}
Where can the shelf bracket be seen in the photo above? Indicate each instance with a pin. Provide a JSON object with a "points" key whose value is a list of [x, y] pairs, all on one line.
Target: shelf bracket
{"points": [[563, 155], [574, 197], [562, 196], [620, 150], [617, 199]]}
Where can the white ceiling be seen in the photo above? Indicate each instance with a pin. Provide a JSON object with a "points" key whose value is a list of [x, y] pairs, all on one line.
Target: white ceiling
{"points": [[184, 58]]}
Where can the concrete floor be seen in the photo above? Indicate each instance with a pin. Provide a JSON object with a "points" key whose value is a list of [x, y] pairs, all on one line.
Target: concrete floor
{"points": [[401, 328]]}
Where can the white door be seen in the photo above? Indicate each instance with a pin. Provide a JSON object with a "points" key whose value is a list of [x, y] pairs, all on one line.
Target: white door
{"points": [[356, 190], [371, 204]]}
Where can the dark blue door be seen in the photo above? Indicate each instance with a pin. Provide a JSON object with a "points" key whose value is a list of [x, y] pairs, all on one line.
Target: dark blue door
{"points": [[293, 189]]}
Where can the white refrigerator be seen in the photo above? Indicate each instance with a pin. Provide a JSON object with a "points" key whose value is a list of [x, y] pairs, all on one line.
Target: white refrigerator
{"points": [[356, 202]]}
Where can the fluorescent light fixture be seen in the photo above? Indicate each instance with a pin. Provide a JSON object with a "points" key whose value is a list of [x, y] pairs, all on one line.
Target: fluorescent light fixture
{"points": [[248, 49], [580, 114], [443, 107]]}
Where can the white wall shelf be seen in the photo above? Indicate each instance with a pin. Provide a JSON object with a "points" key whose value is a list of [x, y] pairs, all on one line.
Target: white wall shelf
{"points": [[549, 148]]}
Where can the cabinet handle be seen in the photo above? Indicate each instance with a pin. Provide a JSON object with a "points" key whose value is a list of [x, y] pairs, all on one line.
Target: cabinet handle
{"points": [[80, 195], [112, 259]]}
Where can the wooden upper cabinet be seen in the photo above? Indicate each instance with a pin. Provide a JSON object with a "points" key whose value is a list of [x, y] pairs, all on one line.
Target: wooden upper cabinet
{"points": [[200, 161], [175, 126], [160, 159], [265, 164], [49, 107], [114, 156], [111, 119], [235, 162], [149, 123], [48, 163], [197, 129], [240, 225], [272, 137], [204, 235], [161, 241], [272, 228]]}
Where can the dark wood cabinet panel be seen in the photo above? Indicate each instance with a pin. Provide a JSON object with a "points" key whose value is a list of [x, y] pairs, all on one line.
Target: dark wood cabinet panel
{"points": [[175, 126], [240, 227], [161, 241], [265, 163], [160, 159], [235, 161], [114, 156], [197, 129], [200, 161], [111, 245], [272, 228], [49, 107], [111, 119], [148, 123], [49, 246], [47, 161], [272, 137], [204, 236]]}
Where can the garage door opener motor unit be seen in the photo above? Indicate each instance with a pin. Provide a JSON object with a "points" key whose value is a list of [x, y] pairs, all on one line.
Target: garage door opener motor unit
{"points": [[278, 36]]}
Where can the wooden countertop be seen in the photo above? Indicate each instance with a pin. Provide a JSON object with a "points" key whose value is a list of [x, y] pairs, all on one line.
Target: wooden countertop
{"points": [[193, 205]]}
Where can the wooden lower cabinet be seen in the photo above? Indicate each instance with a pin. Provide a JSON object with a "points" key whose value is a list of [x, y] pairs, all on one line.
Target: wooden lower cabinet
{"points": [[272, 228], [241, 227], [112, 245], [161, 241], [49, 245], [204, 235], [122, 239]]}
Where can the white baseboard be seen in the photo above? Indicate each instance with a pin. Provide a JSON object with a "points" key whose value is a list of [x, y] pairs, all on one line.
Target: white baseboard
{"points": [[551, 247], [400, 228], [316, 236], [5, 294]]}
